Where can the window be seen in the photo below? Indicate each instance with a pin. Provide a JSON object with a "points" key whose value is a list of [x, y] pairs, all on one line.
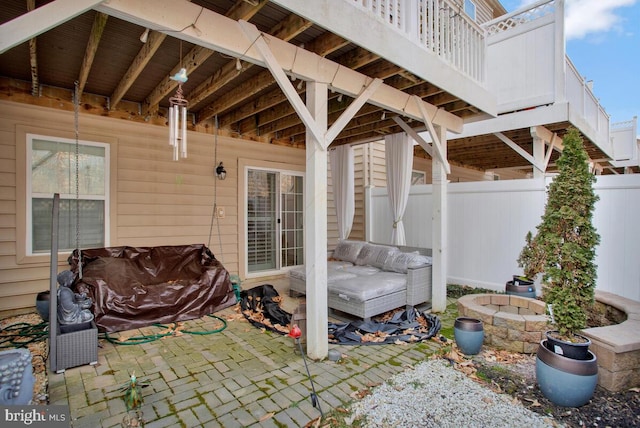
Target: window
{"points": [[470, 9], [51, 168], [418, 177]]}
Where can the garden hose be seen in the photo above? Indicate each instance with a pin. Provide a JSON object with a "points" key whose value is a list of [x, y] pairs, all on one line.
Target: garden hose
{"points": [[25, 332], [137, 340]]}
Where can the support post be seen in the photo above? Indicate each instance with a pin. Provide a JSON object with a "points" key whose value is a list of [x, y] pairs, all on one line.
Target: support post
{"points": [[315, 215], [538, 155], [439, 227]]}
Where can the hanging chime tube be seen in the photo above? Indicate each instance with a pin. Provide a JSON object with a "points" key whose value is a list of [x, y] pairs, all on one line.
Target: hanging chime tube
{"points": [[171, 134], [176, 132], [184, 132]]}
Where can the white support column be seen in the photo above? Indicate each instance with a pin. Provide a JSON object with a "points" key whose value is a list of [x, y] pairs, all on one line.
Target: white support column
{"points": [[315, 221], [538, 155], [439, 226]]}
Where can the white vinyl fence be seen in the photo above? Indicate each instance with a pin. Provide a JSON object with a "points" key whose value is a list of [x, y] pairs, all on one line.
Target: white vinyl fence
{"points": [[488, 222]]}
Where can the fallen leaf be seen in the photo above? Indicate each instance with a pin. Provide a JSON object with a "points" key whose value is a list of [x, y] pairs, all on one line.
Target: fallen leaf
{"points": [[534, 402], [267, 416]]}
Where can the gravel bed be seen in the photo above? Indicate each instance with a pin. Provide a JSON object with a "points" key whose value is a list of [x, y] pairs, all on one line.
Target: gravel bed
{"points": [[434, 394]]}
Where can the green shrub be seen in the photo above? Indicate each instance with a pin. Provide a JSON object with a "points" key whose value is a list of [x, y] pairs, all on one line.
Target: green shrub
{"points": [[563, 248]]}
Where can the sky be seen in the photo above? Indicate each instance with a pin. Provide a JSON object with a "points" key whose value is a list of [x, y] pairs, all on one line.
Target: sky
{"points": [[603, 42]]}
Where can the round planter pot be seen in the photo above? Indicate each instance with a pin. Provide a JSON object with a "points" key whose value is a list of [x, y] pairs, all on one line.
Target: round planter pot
{"points": [[565, 381], [522, 290], [42, 304], [577, 351], [521, 280], [469, 335]]}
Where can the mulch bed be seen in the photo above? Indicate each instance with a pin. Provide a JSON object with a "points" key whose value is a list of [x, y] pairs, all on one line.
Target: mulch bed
{"points": [[514, 374]]}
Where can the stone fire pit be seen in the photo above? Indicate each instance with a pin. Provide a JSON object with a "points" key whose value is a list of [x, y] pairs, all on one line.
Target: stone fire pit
{"points": [[513, 323]]}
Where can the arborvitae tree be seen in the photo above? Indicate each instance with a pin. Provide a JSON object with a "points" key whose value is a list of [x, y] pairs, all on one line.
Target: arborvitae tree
{"points": [[563, 249]]}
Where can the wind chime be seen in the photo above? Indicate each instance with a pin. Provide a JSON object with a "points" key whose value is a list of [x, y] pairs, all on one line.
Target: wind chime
{"points": [[178, 118]]}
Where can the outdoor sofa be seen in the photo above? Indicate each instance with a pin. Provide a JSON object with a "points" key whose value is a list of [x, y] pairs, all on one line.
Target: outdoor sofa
{"points": [[135, 287], [366, 279]]}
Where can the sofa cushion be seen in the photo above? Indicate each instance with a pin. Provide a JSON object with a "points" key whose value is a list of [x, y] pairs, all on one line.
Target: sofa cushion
{"points": [[375, 255], [362, 270], [348, 250], [363, 288], [400, 262], [335, 274]]}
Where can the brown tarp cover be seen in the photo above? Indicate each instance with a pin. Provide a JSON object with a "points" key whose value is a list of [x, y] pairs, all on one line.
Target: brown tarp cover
{"points": [[134, 287]]}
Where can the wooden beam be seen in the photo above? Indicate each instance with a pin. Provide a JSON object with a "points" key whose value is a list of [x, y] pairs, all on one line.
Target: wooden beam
{"points": [[196, 56], [442, 155], [40, 20], [321, 46], [33, 56], [278, 118], [287, 29], [257, 40], [137, 66], [99, 22], [369, 114], [228, 36], [350, 111], [516, 148], [413, 134]]}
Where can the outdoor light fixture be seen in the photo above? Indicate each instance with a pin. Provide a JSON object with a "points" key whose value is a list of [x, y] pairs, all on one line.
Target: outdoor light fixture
{"points": [[221, 173], [178, 118], [144, 36]]}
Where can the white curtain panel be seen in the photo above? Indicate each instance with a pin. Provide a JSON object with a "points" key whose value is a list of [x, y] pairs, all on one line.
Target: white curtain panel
{"points": [[342, 177], [399, 162]]}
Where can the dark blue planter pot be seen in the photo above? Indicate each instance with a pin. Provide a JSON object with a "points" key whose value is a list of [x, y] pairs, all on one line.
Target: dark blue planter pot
{"points": [[469, 335], [42, 304], [520, 289], [565, 381]]}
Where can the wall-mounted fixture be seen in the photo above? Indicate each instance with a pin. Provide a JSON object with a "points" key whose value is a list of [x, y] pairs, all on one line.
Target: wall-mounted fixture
{"points": [[221, 173]]}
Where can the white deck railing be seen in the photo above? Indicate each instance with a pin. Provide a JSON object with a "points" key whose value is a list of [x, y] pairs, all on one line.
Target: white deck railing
{"points": [[439, 26], [580, 96]]}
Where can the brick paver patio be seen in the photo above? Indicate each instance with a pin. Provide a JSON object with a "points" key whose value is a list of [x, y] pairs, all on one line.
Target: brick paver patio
{"points": [[242, 376]]}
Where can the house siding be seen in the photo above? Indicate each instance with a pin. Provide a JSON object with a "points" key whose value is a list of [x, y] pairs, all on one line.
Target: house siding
{"points": [[153, 200]]}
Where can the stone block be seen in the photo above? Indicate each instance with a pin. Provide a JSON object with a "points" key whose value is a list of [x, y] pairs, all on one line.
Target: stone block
{"points": [[482, 299], [519, 301], [508, 345], [493, 307], [618, 381], [509, 309], [525, 336], [500, 299], [504, 319], [492, 330], [530, 348], [536, 323], [538, 306], [486, 316]]}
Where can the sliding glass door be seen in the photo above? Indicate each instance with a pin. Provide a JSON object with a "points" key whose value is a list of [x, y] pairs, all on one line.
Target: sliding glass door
{"points": [[274, 220]]}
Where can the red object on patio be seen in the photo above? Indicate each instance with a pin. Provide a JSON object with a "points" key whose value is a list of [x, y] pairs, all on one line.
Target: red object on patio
{"points": [[295, 332]]}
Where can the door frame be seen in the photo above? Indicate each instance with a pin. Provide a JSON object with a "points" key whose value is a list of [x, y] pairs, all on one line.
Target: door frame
{"points": [[244, 164]]}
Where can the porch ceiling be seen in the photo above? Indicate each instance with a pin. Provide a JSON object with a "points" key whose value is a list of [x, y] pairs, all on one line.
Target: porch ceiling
{"points": [[129, 79]]}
